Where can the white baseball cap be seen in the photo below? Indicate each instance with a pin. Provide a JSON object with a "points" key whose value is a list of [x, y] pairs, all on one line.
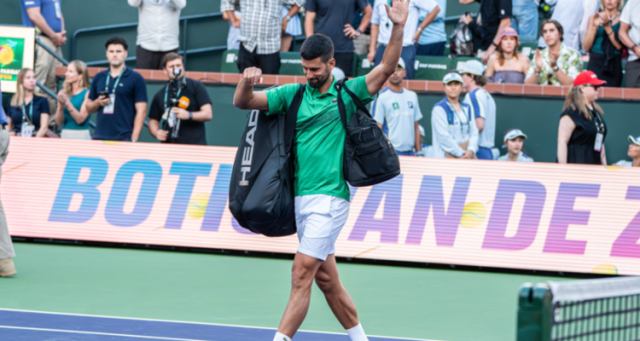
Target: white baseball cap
{"points": [[634, 140], [512, 134], [401, 63], [473, 67], [452, 77]]}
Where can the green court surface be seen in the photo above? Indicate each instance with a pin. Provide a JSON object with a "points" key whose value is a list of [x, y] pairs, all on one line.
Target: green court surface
{"points": [[392, 301]]}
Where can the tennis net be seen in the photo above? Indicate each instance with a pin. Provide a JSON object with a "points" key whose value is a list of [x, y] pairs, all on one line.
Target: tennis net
{"points": [[584, 310]]}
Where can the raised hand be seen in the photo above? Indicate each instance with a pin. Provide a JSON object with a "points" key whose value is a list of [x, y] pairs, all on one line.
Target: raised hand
{"points": [[399, 13], [538, 61], [252, 76], [597, 20]]}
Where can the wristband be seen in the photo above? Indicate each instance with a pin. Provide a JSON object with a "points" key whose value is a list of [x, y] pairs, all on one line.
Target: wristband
{"points": [[288, 17], [419, 29], [494, 44], [555, 69], [191, 116], [359, 31]]}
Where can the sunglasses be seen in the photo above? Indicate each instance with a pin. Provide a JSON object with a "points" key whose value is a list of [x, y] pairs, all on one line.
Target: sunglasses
{"points": [[592, 86]]}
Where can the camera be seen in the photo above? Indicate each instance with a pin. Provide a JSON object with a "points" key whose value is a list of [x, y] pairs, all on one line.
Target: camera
{"points": [[172, 100]]}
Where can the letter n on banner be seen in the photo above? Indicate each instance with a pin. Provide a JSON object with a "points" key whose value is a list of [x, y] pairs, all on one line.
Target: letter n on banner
{"points": [[627, 243], [69, 185], [496, 238], [388, 226], [564, 215], [446, 222]]}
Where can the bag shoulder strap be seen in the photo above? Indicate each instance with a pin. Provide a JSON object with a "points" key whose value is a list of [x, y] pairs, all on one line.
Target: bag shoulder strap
{"points": [[292, 117], [341, 108]]}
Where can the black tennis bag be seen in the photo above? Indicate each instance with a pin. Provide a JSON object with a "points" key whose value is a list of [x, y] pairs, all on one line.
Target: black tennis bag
{"points": [[369, 156], [261, 196]]}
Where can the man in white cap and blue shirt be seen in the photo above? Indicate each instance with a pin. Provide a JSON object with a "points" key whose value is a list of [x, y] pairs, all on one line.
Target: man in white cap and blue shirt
{"points": [[453, 128], [633, 153], [483, 108], [397, 112], [514, 142]]}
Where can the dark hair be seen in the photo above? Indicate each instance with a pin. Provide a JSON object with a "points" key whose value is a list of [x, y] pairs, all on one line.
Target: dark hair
{"points": [[169, 57], [480, 80], [117, 41], [317, 45], [557, 25]]}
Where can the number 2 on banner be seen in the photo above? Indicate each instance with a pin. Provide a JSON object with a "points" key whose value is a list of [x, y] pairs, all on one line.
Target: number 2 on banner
{"points": [[627, 243]]}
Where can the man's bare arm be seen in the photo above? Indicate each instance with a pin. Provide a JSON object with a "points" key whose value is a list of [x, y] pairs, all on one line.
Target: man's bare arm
{"points": [[366, 18], [38, 20], [309, 19], [379, 75], [247, 99]]}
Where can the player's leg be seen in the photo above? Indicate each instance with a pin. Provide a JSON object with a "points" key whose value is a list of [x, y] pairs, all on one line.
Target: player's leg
{"points": [[338, 298], [303, 272]]}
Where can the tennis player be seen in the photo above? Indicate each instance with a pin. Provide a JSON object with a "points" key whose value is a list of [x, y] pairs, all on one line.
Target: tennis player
{"points": [[322, 194]]}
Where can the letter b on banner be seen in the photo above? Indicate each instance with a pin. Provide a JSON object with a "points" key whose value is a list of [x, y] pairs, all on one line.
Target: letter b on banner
{"points": [[70, 185]]}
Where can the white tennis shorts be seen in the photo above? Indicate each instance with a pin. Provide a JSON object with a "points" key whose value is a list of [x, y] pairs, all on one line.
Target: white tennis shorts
{"points": [[320, 219]]}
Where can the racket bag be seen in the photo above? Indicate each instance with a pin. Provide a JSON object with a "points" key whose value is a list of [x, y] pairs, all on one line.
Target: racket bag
{"points": [[261, 196]]}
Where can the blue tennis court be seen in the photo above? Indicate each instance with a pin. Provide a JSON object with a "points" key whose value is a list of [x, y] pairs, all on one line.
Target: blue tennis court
{"points": [[34, 325]]}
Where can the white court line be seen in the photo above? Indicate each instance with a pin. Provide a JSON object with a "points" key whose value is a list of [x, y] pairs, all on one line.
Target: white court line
{"points": [[96, 333], [202, 323]]}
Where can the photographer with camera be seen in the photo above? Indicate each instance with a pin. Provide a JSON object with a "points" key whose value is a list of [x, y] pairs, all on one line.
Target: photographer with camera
{"points": [[179, 110]]}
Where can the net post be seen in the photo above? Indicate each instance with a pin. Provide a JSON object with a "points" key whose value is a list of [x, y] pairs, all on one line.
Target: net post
{"points": [[535, 312]]}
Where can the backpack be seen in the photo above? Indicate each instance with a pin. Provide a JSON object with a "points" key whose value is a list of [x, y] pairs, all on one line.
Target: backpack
{"points": [[369, 156], [261, 196], [460, 41]]}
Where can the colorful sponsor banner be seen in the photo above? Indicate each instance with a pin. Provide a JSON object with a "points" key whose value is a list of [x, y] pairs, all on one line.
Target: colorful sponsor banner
{"points": [[16, 51], [536, 216]]}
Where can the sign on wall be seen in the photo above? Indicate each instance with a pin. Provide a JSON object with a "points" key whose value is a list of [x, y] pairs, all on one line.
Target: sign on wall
{"points": [[536, 216], [17, 46]]}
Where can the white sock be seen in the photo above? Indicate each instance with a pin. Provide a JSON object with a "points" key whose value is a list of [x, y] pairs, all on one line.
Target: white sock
{"points": [[357, 333], [281, 337]]}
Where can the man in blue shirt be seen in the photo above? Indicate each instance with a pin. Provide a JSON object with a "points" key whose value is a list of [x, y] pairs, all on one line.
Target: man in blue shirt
{"points": [[6, 248], [119, 95], [433, 37], [46, 17]]}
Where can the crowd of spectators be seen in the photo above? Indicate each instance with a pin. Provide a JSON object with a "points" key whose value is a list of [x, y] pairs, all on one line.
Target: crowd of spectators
{"points": [[463, 124]]}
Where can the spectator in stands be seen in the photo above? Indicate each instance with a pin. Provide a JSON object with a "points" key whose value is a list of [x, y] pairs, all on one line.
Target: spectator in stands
{"points": [[261, 31], [195, 110], [568, 13], [524, 19], [601, 41], [633, 153], [483, 108], [234, 18], [158, 30], [514, 142], [381, 31], [294, 28], [333, 18], [453, 131], [630, 37], [46, 17], [589, 8], [72, 114], [494, 16], [29, 112], [361, 43], [119, 95], [508, 65], [397, 112], [557, 64], [7, 268], [582, 129], [432, 39]]}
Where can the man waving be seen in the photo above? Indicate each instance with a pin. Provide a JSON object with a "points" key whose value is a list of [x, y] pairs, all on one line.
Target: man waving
{"points": [[322, 194]]}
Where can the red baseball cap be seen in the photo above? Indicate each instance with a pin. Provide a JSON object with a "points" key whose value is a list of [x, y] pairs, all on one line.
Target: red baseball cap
{"points": [[588, 77]]}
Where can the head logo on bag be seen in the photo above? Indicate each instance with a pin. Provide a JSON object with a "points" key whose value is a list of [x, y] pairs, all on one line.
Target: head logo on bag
{"points": [[247, 154]]}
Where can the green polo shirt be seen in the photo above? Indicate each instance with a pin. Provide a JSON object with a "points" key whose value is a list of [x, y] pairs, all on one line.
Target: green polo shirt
{"points": [[320, 135]]}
